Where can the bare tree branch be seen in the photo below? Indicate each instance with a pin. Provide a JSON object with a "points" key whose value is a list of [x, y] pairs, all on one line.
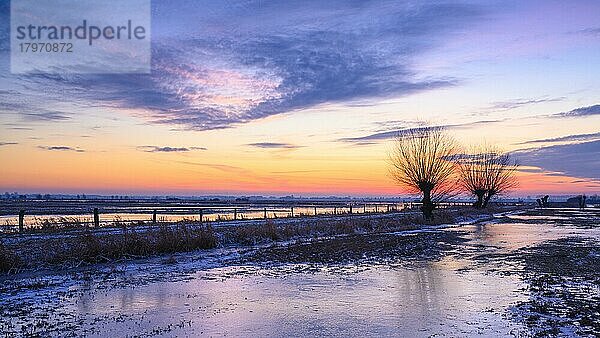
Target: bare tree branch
{"points": [[487, 172], [423, 161]]}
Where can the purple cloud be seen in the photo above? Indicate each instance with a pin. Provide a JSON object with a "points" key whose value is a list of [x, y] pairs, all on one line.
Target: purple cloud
{"points": [[61, 148], [568, 138], [281, 60], [583, 111], [273, 145], [579, 160], [157, 149]]}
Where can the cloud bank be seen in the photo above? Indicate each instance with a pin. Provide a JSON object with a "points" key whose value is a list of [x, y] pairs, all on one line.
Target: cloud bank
{"points": [[579, 160], [209, 73]]}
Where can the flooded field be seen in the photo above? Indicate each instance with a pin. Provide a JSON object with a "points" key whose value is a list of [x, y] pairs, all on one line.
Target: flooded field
{"points": [[208, 214], [79, 213], [476, 279]]}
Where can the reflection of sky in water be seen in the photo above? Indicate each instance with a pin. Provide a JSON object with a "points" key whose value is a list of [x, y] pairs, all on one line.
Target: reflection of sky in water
{"points": [[428, 298], [517, 235]]}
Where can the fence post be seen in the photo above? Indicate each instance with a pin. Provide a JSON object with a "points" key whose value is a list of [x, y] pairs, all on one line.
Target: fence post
{"points": [[234, 214], [376, 208], [154, 217], [201, 215], [265, 213], [350, 208], [335, 210], [292, 211], [365, 208], [96, 218], [21, 220], [315, 211]]}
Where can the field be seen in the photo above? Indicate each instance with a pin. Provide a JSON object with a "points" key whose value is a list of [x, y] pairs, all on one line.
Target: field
{"points": [[509, 272]]}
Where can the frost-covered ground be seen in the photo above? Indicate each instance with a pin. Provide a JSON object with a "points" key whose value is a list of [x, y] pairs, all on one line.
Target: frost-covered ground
{"points": [[533, 272]]}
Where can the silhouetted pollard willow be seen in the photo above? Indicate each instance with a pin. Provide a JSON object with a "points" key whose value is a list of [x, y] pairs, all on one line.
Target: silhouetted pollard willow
{"points": [[486, 172], [423, 160]]}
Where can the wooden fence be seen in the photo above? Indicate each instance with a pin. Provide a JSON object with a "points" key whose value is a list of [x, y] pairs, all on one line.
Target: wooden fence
{"points": [[99, 217]]}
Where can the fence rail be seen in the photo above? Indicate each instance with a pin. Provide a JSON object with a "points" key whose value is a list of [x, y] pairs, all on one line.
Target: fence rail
{"points": [[109, 216]]}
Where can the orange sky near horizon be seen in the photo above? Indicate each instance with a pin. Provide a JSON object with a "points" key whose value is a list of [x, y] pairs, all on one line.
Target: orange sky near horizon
{"points": [[249, 99], [231, 167]]}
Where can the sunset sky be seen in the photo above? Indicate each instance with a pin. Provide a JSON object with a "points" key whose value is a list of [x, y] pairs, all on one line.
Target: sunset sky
{"points": [[304, 98]]}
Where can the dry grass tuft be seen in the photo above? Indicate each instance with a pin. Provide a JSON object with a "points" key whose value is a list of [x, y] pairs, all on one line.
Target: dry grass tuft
{"points": [[274, 230], [8, 259], [91, 248], [256, 233]]}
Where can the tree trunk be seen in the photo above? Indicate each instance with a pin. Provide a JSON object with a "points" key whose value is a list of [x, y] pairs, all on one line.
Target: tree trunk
{"points": [[486, 200], [480, 195], [428, 206]]}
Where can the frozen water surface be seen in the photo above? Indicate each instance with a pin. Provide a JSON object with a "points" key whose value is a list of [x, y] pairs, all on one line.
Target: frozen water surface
{"points": [[429, 298], [448, 296]]}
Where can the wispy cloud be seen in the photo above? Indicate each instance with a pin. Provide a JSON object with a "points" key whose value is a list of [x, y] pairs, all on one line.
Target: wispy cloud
{"points": [[11, 126], [62, 148], [273, 145], [25, 106], [46, 116], [7, 143], [157, 149], [390, 134], [568, 138], [221, 167], [579, 112], [517, 103], [383, 126], [304, 171], [594, 31], [387, 135], [373, 138], [527, 169], [4, 26]]}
